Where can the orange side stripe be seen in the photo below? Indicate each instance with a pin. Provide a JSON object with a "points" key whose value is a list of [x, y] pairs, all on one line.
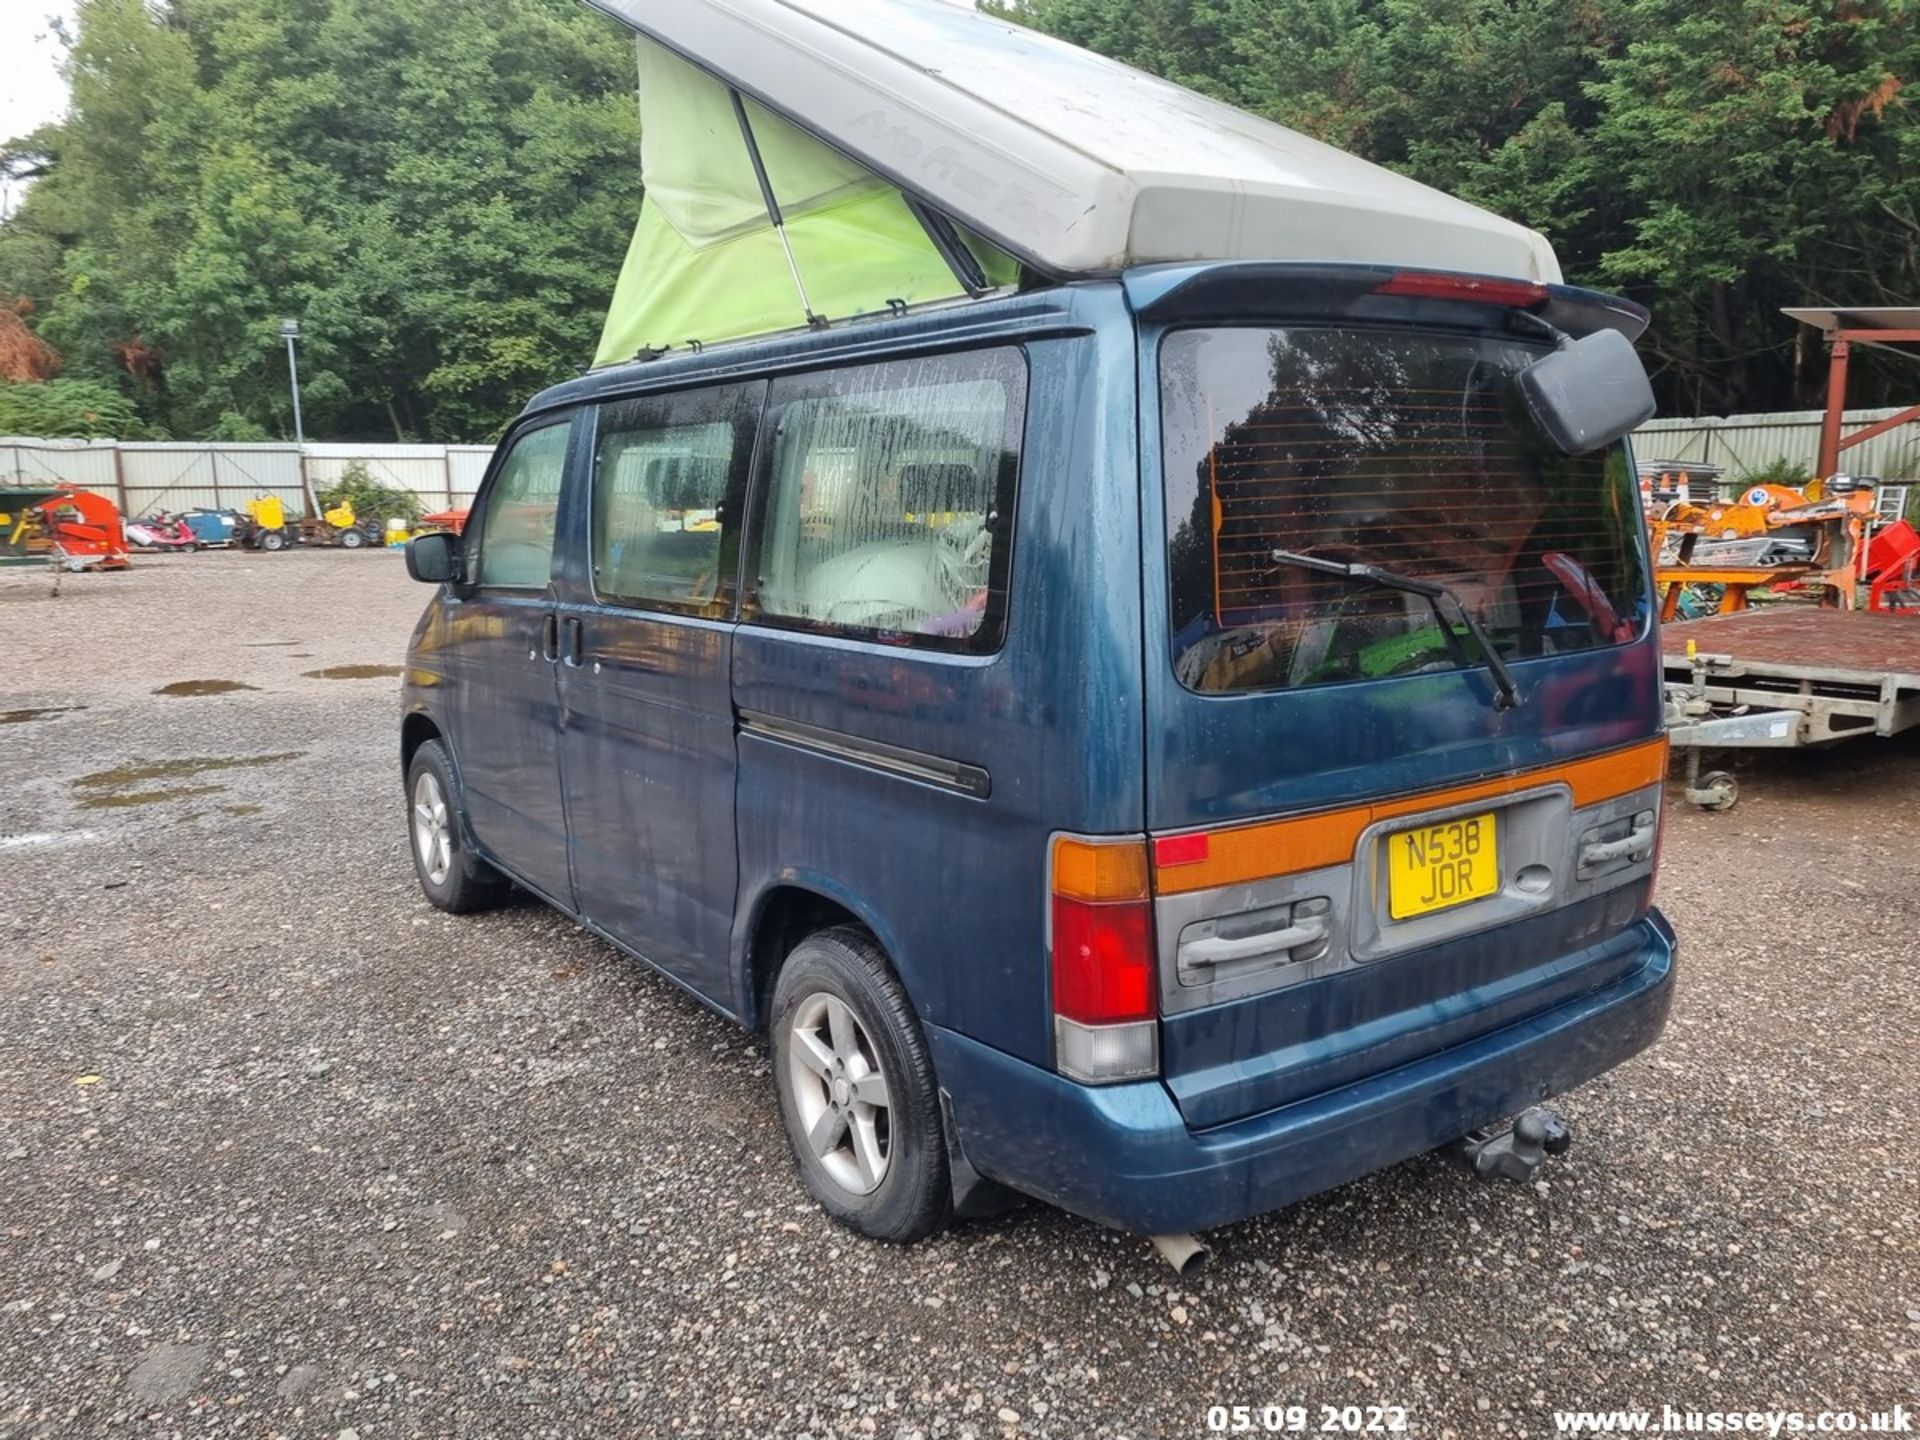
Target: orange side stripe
{"points": [[1313, 842]]}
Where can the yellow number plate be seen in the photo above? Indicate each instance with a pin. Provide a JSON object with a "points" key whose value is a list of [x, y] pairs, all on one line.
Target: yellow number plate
{"points": [[1442, 865]]}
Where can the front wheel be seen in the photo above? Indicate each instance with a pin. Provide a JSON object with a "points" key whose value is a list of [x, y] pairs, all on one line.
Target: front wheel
{"points": [[273, 540], [352, 540], [857, 1090], [453, 878]]}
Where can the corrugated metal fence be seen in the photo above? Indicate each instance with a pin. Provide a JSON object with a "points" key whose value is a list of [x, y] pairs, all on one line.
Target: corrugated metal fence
{"points": [[182, 476], [1742, 444], [146, 476]]}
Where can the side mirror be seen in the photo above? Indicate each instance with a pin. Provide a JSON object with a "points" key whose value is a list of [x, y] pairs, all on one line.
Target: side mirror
{"points": [[1588, 393], [434, 558]]}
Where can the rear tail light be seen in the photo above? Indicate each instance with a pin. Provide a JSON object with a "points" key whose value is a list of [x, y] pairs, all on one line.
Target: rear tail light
{"points": [[1477, 289], [1105, 999]]}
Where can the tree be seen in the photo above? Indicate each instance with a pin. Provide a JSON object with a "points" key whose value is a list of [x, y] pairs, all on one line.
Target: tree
{"points": [[440, 190], [1715, 159], [72, 409]]}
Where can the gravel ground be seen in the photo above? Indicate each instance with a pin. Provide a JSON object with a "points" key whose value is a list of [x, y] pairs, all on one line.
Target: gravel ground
{"points": [[285, 1152]]}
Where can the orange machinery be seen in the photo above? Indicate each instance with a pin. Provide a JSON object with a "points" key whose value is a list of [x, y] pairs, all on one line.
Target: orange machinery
{"points": [[76, 529], [454, 520], [1813, 538]]}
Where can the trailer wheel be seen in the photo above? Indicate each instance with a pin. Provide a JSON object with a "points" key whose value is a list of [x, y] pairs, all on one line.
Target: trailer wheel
{"points": [[352, 540], [273, 540], [1717, 790]]}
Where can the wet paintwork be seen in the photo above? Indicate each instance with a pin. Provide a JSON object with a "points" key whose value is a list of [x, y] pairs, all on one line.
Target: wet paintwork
{"points": [[490, 647], [1079, 722]]}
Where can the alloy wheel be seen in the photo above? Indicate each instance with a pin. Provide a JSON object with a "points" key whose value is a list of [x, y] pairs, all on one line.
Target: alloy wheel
{"points": [[432, 828], [840, 1092]]}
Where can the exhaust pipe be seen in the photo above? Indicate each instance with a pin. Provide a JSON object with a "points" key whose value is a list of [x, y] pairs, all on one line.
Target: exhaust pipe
{"points": [[1185, 1253]]}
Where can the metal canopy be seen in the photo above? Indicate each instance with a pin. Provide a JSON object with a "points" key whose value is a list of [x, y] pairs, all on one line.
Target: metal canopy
{"points": [[1883, 327]]}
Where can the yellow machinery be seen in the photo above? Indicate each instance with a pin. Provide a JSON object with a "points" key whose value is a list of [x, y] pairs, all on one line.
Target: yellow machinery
{"points": [[266, 527]]}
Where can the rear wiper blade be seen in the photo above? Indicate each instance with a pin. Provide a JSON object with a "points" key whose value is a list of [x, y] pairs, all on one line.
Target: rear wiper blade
{"points": [[1506, 693]]}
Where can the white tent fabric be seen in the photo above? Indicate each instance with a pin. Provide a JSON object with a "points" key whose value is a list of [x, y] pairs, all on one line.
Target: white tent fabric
{"points": [[1074, 163]]}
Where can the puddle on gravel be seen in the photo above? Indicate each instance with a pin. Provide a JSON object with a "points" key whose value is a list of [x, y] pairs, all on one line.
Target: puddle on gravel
{"points": [[135, 784], [355, 672], [267, 644], [127, 799], [204, 687], [44, 712], [238, 810]]}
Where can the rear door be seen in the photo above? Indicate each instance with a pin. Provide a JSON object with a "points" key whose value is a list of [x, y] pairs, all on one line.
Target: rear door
{"points": [[646, 654], [1362, 854], [502, 643]]}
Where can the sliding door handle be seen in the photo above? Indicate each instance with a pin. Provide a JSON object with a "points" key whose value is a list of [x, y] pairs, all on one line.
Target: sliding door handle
{"points": [[575, 640], [550, 638]]}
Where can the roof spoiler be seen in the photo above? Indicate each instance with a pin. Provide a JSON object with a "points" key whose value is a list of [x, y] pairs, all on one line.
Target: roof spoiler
{"points": [[1241, 290]]}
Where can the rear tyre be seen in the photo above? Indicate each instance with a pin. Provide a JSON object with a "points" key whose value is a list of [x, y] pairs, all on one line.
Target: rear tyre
{"points": [[452, 877], [857, 1090]]}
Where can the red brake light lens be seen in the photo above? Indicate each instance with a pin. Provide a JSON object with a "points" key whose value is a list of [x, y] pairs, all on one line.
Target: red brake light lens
{"points": [[1478, 290], [1103, 969]]}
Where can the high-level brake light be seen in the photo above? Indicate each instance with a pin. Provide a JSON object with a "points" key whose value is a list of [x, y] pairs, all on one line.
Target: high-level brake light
{"points": [[1477, 289]]}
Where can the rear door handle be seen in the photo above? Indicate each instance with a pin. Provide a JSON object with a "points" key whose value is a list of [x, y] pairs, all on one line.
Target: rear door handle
{"points": [[575, 647], [550, 638], [1206, 954], [1636, 846]]}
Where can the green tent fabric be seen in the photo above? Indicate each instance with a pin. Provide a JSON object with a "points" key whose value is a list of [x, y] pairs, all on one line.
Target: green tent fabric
{"points": [[706, 263]]}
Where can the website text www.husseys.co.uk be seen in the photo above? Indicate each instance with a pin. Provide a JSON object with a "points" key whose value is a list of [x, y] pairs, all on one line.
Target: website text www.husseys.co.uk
{"points": [[1669, 1421]]}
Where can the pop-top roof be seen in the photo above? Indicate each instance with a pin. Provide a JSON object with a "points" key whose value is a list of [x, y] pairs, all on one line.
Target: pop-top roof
{"points": [[1072, 163]]}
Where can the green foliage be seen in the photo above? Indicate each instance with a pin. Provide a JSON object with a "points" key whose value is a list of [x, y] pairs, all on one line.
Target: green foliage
{"points": [[370, 499], [1714, 159], [442, 190], [234, 427], [439, 190], [67, 409], [1781, 470]]}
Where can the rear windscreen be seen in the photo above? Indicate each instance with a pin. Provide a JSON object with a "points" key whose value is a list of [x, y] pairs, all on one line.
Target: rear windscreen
{"points": [[1406, 451]]}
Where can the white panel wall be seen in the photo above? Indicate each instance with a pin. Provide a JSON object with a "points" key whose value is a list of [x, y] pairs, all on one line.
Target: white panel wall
{"points": [[180, 476], [145, 476]]}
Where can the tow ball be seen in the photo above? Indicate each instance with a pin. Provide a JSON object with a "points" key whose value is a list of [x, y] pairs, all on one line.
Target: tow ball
{"points": [[1514, 1151]]}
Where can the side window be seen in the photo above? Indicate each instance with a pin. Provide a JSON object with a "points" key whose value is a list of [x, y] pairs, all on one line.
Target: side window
{"points": [[517, 520], [669, 477], [889, 499]]}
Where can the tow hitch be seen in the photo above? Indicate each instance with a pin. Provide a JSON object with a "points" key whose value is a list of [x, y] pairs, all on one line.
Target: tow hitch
{"points": [[1514, 1151]]}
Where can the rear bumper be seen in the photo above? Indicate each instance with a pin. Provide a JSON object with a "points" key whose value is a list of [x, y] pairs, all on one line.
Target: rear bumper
{"points": [[1122, 1155]]}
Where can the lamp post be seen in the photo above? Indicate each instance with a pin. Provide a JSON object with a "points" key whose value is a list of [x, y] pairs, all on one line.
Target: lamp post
{"points": [[290, 332]]}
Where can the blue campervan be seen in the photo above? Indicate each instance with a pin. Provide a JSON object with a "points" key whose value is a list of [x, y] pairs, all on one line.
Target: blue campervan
{"points": [[1163, 742]]}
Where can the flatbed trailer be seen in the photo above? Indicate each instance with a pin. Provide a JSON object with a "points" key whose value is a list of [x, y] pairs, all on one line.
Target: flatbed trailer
{"points": [[1784, 676]]}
